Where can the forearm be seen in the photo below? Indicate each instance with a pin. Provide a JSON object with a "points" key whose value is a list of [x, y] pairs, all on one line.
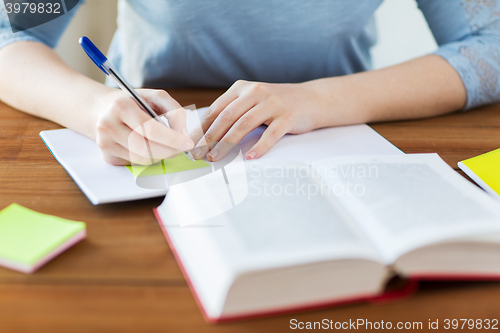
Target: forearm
{"points": [[424, 87], [34, 79]]}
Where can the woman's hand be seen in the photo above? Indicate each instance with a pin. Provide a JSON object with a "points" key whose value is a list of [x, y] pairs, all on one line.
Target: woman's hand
{"points": [[126, 134], [284, 108]]}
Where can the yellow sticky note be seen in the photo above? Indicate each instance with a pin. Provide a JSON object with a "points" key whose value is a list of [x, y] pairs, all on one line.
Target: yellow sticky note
{"points": [[179, 163], [487, 168]]}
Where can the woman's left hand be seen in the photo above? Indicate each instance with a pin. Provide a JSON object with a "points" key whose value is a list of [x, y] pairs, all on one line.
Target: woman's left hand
{"points": [[284, 108]]}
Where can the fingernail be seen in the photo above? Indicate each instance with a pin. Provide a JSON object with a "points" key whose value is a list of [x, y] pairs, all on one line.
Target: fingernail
{"points": [[212, 155], [188, 145], [198, 152], [251, 155]]}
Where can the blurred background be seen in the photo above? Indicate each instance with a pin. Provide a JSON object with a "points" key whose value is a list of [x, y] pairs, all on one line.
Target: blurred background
{"points": [[403, 34]]}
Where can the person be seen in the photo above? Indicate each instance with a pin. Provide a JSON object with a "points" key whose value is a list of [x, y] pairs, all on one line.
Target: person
{"points": [[291, 65]]}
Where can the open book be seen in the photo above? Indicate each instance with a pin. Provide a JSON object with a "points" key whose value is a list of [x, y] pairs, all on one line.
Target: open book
{"points": [[300, 234]]}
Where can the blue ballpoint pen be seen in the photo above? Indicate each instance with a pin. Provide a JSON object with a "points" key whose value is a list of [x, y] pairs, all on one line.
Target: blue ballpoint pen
{"points": [[103, 63]]}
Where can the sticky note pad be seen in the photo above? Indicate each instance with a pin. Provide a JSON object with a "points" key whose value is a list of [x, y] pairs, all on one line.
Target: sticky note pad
{"points": [[29, 239], [484, 170], [176, 164]]}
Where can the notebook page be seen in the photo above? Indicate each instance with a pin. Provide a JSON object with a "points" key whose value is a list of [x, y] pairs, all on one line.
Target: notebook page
{"points": [[332, 142], [315, 145], [101, 182], [405, 202]]}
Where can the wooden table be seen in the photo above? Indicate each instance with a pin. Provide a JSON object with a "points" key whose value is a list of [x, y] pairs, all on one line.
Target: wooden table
{"points": [[123, 277]]}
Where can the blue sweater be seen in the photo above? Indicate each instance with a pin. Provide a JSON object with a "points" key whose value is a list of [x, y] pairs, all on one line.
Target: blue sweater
{"points": [[174, 43]]}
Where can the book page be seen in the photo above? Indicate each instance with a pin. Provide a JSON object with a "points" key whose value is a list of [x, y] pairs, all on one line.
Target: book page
{"points": [[274, 215], [404, 202]]}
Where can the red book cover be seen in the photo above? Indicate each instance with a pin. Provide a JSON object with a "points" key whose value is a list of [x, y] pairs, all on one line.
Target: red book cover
{"points": [[401, 291]]}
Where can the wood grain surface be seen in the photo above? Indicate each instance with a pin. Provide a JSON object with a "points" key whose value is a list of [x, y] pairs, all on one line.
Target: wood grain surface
{"points": [[123, 277]]}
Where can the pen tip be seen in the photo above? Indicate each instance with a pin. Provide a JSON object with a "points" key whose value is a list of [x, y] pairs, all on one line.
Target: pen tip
{"points": [[190, 156]]}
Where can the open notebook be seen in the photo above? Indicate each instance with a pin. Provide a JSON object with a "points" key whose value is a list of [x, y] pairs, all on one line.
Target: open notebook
{"points": [[104, 183], [331, 231]]}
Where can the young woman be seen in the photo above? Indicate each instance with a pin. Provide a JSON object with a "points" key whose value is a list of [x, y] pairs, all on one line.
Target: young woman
{"points": [[292, 65]]}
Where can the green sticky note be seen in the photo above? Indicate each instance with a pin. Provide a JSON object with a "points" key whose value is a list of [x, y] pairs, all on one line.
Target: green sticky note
{"points": [[176, 164], [27, 237]]}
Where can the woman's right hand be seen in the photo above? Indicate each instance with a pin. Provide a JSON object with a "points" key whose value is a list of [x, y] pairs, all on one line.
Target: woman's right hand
{"points": [[125, 134]]}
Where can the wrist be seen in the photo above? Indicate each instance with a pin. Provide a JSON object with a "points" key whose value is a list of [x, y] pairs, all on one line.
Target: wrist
{"points": [[317, 102], [339, 101], [101, 101]]}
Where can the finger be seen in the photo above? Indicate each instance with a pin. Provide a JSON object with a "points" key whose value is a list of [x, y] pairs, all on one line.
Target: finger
{"points": [[141, 123], [197, 133], [111, 139], [159, 100], [177, 120], [154, 130], [275, 131], [235, 111], [113, 153], [116, 130], [114, 134], [148, 152], [243, 126], [164, 104], [139, 148], [139, 159], [213, 111], [113, 131], [227, 119], [113, 160]]}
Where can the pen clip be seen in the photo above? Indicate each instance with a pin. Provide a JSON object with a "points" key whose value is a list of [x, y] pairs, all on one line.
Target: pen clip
{"points": [[94, 53]]}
